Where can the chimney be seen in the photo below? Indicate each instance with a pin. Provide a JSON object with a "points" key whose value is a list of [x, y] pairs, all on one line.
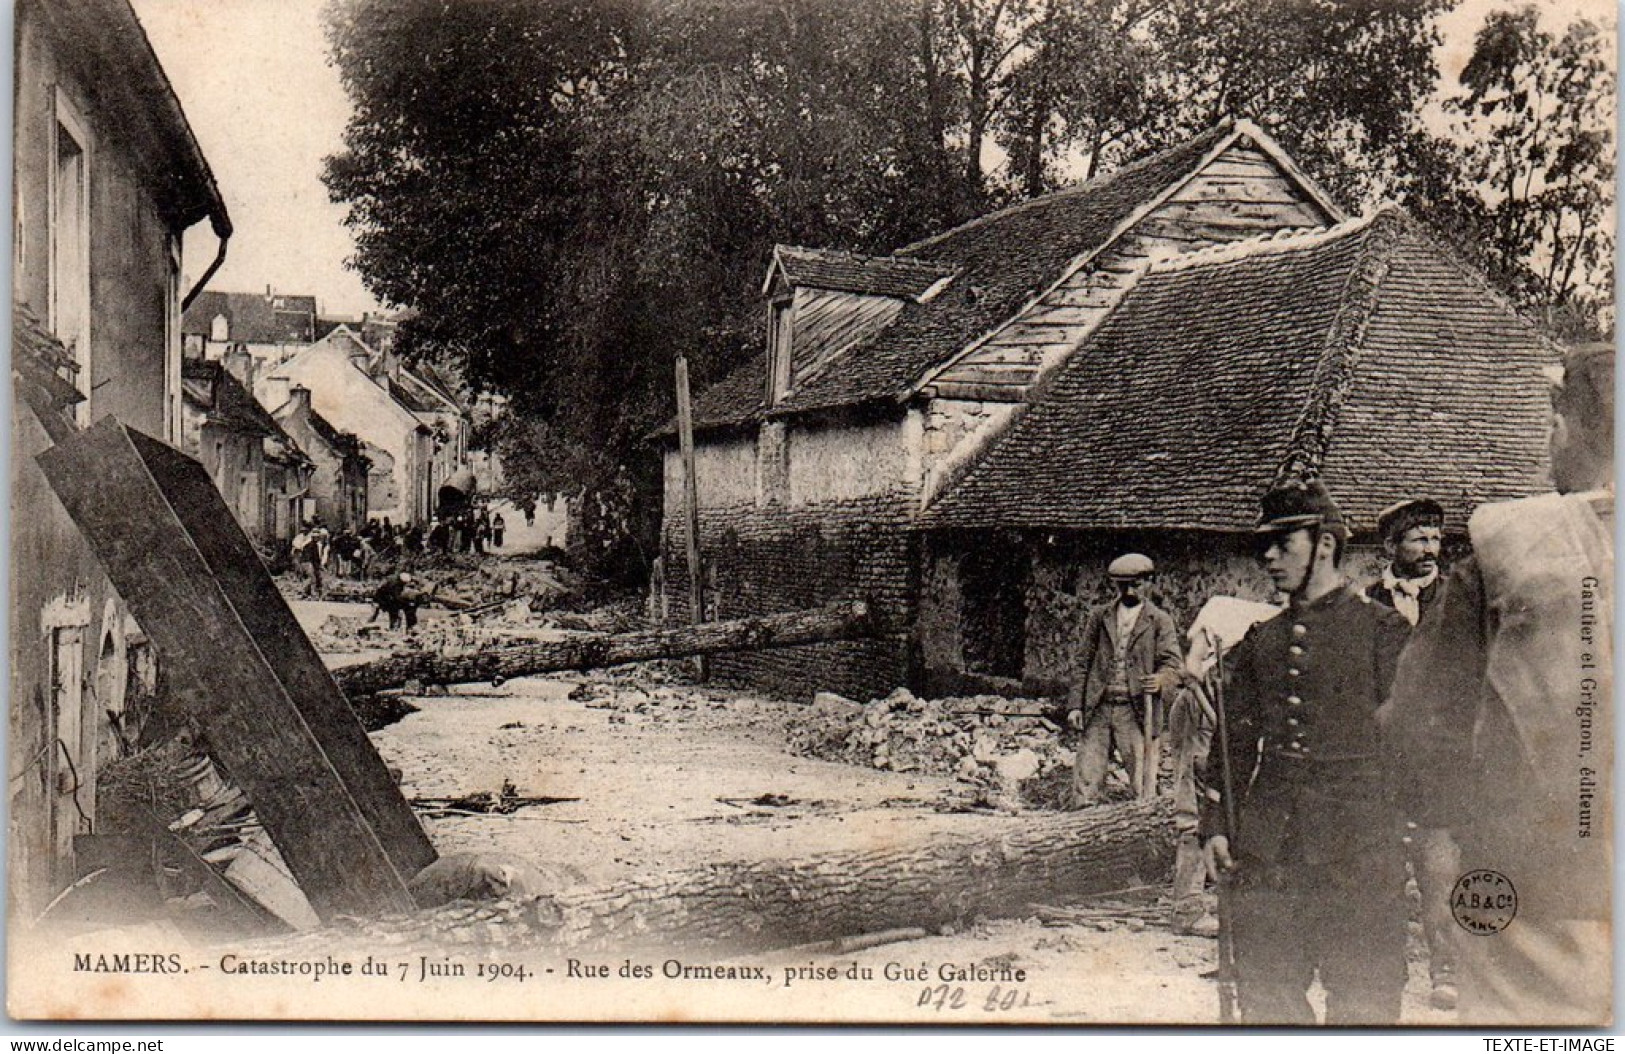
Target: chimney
{"points": [[275, 391], [299, 395], [240, 364]]}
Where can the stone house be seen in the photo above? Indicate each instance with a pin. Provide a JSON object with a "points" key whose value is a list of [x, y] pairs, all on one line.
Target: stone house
{"points": [[258, 468], [1364, 354], [883, 376], [338, 372], [822, 463], [270, 326], [337, 494], [108, 178]]}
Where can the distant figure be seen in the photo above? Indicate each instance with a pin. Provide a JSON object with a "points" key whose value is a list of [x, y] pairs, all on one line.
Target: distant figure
{"points": [[398, 598], [530, 512], [309, 547], [496, 530]]}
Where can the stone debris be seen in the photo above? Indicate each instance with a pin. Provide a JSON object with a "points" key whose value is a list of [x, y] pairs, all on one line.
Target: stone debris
{"points": [[1005, 751]]}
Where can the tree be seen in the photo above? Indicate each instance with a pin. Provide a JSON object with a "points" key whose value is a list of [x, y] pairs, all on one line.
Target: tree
{"points": [[567, 193], [1535, 120]]}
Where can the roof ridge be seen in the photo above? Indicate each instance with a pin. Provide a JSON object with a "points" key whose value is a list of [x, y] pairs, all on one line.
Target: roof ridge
{"points": [[1333, 376], [1225, 126], [892, 257], [1285, 239]]}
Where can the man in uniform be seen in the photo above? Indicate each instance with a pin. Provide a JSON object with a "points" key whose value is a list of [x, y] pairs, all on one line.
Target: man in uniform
{"points": [[1316, 879], [1412, 533], [1130, 651], [1501, 719]]}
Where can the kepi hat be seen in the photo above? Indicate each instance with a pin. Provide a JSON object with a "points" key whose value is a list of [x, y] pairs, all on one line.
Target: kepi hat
{"points": [[1296, 505]]}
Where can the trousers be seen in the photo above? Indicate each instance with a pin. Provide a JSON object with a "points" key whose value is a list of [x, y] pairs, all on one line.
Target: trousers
{"points": [[1108, 724], [1344, 920]]}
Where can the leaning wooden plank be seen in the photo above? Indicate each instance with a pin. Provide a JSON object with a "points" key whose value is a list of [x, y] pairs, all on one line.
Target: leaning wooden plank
{"points": [[239, 663], [847, 621]]}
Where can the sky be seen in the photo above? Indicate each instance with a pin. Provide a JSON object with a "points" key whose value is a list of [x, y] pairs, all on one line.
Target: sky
{"points": [[253, 78]]}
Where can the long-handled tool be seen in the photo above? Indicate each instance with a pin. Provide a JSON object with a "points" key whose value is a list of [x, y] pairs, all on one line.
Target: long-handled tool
{"points": [[1229, 1004], [1150, 747]]}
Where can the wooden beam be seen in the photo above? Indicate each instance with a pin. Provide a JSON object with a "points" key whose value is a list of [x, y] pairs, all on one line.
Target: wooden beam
{"points": [[238, 662], [691, 503]]}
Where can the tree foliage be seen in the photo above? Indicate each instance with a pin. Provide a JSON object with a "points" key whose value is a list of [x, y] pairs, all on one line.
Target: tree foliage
{"points": [[567, 193]]}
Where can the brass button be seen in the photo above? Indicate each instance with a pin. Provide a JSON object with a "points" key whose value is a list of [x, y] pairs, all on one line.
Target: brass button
{"points": [[1300, 630], [1294, 650], [1292, 721], [1293, 700], [1292, 671]]}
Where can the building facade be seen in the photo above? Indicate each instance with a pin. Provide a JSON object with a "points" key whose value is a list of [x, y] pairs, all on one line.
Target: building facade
{"points": [[108, 179]]}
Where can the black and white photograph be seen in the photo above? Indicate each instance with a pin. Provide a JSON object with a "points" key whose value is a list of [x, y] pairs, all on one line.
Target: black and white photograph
{"points": [[813, 512]]}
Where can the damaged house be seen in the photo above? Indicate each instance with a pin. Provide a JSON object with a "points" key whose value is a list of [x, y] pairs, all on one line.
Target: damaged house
{"points": [[108, 178], [855, 457]]}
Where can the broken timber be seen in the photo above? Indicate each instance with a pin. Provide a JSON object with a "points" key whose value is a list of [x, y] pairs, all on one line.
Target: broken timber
{"points": [[835, 622], [239, 663]]}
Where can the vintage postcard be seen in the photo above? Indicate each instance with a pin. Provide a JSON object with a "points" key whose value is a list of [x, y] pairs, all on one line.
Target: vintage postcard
{"points": [[813, 511]]}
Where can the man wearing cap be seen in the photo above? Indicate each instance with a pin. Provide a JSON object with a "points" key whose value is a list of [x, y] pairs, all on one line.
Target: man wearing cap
{"points": [[1130, 649], [1500, 723], [1315, 879], [1412, 533]]}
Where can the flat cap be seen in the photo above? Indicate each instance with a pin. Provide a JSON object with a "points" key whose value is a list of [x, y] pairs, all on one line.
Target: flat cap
{"points": [[1131, 565]]}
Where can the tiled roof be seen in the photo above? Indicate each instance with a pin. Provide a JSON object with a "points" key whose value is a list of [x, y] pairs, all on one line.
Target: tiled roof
{"points": [[1363, 354], [1000, 262], [843, 272], [212, 389], [254, 318]]}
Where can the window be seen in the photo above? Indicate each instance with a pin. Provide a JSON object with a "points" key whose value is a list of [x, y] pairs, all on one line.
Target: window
{"points": [[219, 329], [70, 245], [779, 346]]}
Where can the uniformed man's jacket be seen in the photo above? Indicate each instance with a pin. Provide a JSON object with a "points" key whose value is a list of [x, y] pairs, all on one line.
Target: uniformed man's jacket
{"points": [[1153, 647], [1302, 692]]}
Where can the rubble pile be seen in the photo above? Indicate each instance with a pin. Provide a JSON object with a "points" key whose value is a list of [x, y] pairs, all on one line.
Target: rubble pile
{"points": [[340, 634], [1007, 753]]}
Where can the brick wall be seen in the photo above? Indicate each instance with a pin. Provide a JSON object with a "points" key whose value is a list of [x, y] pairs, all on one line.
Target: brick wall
{"points": [[784, 558]]}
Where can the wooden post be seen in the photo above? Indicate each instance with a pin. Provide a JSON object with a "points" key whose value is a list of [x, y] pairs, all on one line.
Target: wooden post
{"points": [[691, 505]]}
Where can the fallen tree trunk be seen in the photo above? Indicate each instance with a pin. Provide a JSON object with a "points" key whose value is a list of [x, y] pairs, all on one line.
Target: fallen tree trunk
{"points": [[997, 871], [835, 622], [951, 881]]}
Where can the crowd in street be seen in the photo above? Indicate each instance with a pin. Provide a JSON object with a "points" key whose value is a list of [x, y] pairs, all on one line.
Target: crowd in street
{"points": [[381, 546], [1421, 724]]}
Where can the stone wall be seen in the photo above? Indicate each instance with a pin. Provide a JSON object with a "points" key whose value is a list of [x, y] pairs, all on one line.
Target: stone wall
{"points": [[829, 521], [1067, 578]]}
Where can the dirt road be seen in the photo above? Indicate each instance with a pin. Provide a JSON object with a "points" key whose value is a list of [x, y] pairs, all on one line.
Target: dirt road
{"points": [[666, 777]]}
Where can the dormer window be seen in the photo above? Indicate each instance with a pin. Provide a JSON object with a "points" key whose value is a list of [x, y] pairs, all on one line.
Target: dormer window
{"points": [[780, 341]]}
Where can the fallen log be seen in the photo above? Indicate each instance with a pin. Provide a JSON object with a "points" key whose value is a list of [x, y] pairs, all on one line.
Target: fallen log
{"points": [[950, 881], [835, 622], [946, 882]]}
